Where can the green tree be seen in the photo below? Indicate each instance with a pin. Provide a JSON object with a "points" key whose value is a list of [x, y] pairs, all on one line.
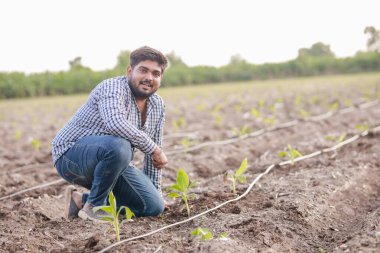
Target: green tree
{"points": [[175, 61], [373, 42], [318, 49], [123, 61]]}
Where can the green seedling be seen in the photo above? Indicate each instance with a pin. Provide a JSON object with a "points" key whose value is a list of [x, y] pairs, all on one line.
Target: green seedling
{"points": [[18, 135], [242, 131], [261, 103], [201, 107], [36, 144], [304, 114], [362, 128], [334, 106], [216, 109], [270, 120], [314, 100], [180, 122], [218, 119], [298, 101], [113, 217], [238, 175], [181, 188], [291, 153], [336, 139], [255, 113], [273, 108], [280, 100], [185, 142], [223, 236], [204, 233]]}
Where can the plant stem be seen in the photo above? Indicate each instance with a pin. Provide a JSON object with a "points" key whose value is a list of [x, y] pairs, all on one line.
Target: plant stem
{"points": [[187, 205], [234, 185], [116, 224]]}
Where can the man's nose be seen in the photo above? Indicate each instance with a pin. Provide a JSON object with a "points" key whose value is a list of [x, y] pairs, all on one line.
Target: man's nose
{"points": [[149, 76]]}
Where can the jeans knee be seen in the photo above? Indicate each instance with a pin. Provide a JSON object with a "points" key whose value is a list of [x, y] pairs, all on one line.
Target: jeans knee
{"points": [[120, 150], [155, 208]]}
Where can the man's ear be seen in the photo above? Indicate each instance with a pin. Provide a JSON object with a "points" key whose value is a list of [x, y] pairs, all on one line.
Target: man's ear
{"points": [[129, 70]]}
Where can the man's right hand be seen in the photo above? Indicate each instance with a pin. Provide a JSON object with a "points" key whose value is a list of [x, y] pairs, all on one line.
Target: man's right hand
{"points": [[159, 158]]}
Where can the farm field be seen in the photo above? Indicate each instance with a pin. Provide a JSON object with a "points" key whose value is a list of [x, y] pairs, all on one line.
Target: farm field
{"points": [[327, 203]]}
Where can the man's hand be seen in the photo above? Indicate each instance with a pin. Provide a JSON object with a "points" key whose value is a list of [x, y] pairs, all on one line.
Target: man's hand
{"points": [[159, 158]]}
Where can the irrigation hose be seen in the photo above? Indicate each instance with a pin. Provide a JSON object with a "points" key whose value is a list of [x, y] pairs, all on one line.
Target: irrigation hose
{"points": [[276, 127], [337, 146]]}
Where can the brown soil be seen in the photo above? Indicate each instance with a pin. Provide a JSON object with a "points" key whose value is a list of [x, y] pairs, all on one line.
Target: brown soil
{"points": [[330, 202]]}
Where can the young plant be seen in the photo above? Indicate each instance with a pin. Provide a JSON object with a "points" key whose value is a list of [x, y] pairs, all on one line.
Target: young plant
{"points": [[201, 107], [238, 175], [181, 188], [334, 106], [180, 122], [218, 119], [36, 144], [270, 120], [304, 114], [204, 233], [242, 131], [114, 213], [336, 139], [255, 113], [291, 153], [18, 135], [223, 236], [363, 127]]}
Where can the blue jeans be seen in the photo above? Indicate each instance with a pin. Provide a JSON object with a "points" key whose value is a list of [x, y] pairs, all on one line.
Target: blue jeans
{"points": [[101, 164]]}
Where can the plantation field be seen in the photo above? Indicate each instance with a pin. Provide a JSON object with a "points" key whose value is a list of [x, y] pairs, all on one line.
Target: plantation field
{"points": [[327, 203]]}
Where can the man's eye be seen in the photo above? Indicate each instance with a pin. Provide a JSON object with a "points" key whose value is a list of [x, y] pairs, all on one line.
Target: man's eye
{"points": [[156, 74]]}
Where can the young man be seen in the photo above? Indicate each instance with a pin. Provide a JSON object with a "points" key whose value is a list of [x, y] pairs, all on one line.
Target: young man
{"points": [[95, 148]]}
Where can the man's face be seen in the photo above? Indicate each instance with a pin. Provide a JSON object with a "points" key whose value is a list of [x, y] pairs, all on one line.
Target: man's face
{"points": [[144, 79]]}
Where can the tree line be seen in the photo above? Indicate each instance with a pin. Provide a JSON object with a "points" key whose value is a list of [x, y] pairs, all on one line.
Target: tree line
{"points": [[316, 60]]}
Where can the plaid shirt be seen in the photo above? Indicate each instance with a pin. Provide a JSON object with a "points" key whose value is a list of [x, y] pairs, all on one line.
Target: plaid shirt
{"points": [[111, 110]]}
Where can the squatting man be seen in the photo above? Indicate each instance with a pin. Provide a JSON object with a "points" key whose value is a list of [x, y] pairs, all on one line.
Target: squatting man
{"points": [[96, 146]]}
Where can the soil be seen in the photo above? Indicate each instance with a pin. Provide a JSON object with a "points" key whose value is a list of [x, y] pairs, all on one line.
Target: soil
{"points": [[328, 203]]}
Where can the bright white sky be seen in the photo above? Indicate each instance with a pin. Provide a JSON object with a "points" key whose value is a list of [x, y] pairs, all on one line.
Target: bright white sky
{"points": [[44, 35]]}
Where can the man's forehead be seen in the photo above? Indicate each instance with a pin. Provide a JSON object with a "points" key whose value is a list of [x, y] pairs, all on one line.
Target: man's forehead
{"points": [[151, 65]]}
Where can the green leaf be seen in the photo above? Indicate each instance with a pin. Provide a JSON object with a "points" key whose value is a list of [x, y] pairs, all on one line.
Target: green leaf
{"points": [[193, 184], [107, 219], [182, 180], [282, 154], [242, 179], [107, 209], [242, 168], [112, 201], [174, 195], [196, 231], [207, 236], [223, 235], [128, 213], [176, 187], [295, 153]]}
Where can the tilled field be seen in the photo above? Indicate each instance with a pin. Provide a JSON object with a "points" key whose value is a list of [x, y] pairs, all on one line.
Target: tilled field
{"points": [[328, 203]]}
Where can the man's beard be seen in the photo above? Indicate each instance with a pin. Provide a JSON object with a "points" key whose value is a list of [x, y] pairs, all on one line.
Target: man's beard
{"points": [[134, 84]]}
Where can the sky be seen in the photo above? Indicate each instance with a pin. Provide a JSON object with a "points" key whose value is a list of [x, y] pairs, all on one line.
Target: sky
{"points": [[42, 35]]}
